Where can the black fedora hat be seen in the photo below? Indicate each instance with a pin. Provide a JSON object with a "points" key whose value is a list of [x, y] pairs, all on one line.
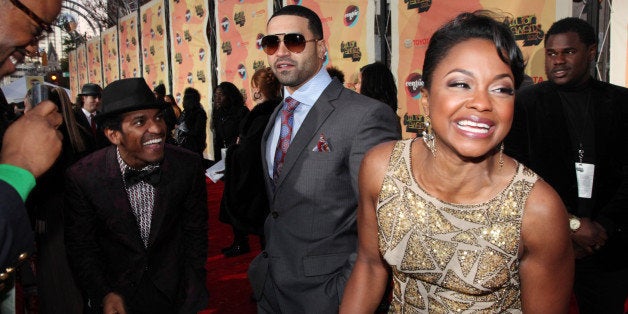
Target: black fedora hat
{"points": [[90, 89], [127, 95]]}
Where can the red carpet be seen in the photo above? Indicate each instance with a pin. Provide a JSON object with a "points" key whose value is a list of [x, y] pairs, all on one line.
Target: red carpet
{"points": [[228, 285], [229, 288]]}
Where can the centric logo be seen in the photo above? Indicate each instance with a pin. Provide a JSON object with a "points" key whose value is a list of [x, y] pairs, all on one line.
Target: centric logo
{"points": [[225, 24], [352, 13], [413, 85], [258, 41], [242, 71]]}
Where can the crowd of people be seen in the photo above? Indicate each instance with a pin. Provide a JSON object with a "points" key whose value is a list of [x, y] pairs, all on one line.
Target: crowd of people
{"points": [[496, 207]]}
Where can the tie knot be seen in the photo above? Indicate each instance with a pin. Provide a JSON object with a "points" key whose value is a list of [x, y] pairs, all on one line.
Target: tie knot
{"points": [[291, 104], [150, 176]]}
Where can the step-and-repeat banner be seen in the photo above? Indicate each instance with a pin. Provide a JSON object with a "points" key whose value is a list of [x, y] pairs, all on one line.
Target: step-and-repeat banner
{"points": [[94, 64], [619, 44], [72, 70], [414, 22], [109, 44], [129, 46], [154, 55]]}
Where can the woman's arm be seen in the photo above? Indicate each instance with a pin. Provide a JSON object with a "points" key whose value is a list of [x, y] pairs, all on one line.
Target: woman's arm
{"points": [[369, 277], [547, 264]]}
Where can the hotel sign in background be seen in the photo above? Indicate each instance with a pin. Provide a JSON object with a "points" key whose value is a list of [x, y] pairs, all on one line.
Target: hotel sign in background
{"points": [[414, 22]]}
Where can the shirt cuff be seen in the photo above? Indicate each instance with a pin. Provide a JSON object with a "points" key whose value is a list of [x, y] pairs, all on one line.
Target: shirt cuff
{"points": [[20, 179]]}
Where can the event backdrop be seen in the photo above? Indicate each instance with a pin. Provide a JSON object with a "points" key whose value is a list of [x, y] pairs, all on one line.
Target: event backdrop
{"points": [[81, 60], [94, 64], [72, 69], [414, 22], [240, 27], [154, 54], [348, 28], [619, 43], [109, 44], [191, 53], [129, 46]]}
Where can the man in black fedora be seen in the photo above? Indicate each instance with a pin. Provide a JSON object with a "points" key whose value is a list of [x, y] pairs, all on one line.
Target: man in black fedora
{"points": [[136, 220], [87, 107]]}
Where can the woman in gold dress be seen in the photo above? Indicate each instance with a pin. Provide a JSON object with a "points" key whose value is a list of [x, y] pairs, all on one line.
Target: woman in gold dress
{"points": [[463, 227]]}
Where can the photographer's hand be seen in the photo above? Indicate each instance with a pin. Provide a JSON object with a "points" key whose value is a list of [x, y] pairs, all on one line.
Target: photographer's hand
{"points": [[33, 141]]}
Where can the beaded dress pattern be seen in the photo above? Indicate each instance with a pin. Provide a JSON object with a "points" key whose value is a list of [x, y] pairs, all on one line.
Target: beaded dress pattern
{"points": [[450, 258]]}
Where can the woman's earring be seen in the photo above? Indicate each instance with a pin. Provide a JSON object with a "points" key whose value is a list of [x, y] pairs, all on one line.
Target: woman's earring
{"points": [[257, 96], [428, 136], [501, 155]]}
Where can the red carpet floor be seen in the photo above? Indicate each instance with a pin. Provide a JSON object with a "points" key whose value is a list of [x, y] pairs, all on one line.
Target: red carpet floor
{"points": [[229, 288], [228, 285]]}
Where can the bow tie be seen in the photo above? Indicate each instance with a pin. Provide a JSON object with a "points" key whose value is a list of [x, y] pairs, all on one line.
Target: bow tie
{"points": [[152, 176]]}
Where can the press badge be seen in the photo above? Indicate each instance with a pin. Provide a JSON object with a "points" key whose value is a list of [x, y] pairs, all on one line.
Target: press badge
{"points": [[584, 174]]}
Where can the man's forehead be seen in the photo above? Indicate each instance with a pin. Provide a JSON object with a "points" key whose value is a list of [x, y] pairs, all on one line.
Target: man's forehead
{"points": [[287, 24], [140, 113]]}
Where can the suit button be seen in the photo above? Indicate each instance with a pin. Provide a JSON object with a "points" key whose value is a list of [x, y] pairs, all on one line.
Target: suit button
{"points": [[264, 254], [23, 257], [274, 214]]}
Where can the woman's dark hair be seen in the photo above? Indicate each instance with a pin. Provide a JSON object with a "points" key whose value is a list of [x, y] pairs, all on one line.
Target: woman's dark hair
{"points": [[233, 96], [481, 25], [585, 31], [313, 21], [267, 82], [379, 83], [191, 98]]}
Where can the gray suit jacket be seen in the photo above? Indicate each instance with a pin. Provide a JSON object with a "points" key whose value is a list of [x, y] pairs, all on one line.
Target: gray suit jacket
{"points": [[311, 231]]}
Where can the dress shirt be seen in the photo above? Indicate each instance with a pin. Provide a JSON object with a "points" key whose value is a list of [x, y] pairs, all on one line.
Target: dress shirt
{"points": [[306, 95], [88, 115]]}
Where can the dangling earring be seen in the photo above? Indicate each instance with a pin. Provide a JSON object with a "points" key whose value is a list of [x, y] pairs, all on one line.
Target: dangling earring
{"points": [[257, 96], [501, 155], [428, 136]]}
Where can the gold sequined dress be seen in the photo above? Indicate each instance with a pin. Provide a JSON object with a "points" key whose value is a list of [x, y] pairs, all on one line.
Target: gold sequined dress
{"points": [[450, 258]]}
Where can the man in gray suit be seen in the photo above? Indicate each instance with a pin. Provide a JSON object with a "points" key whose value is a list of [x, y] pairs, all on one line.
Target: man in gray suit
{"points": [[312, 149]]}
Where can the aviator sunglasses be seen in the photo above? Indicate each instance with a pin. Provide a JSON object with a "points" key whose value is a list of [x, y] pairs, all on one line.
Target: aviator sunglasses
{"points": [[294, 42]]}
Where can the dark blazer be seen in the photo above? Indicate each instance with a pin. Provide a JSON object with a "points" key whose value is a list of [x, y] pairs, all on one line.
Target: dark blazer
{"points": [[311, 232], [226, 126], [103, 240], [540, 139], [244, 201], [195, 120], [16, 234], [92, 142]]}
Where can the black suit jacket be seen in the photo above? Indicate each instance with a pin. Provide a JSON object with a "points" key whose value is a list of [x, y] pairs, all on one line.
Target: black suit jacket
{"points": [[93, 142], [16, 234], [540, 139], [103, 239]]}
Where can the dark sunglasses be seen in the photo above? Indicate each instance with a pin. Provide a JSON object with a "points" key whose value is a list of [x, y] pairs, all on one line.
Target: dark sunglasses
{"points": [[293, 41], [43, 26]]}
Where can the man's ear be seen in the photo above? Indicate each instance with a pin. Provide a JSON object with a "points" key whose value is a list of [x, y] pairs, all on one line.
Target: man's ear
{"points": [[113, 136], [321, 49], [592, 52]]}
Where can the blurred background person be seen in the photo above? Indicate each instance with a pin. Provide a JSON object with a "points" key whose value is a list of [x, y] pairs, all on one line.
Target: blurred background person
{"points": [[56, 289], [191, 129], [244, 202], [173, 102], [463, 227], [85, 111], [337, 73], [229, 109], [376, 81]]}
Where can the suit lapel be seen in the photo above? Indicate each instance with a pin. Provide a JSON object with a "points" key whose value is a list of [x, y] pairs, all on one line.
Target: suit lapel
{"points": [[309, 129], [162, 191]]}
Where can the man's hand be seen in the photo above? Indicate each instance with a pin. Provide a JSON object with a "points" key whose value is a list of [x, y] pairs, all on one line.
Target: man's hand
{"points": [[590, 237], [33, 141], [113, 304]]}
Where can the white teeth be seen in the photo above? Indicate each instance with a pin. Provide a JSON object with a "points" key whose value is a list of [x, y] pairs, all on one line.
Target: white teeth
{"points": [[154, 141], [474, 127], [13, 60]]}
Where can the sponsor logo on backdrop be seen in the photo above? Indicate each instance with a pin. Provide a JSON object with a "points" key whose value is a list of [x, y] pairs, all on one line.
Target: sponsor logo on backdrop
{"points": [[239, 18], [413, 85], [258, 64], [258, 41], [352, 13], [242, 71], [350, 50], [526, 28], [226, 47], [225, 24], [422, 5], [414, 123]]}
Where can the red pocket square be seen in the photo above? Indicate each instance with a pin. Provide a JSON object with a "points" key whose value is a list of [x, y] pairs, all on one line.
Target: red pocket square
{"points": [[322, 145]]}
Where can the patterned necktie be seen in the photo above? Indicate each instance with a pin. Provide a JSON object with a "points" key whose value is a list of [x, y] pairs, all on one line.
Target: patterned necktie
{"points": [[93, 123], [287, 120]]}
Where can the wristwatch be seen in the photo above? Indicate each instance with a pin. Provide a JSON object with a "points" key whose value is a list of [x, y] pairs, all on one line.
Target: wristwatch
{"points": [[574, 223]]}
